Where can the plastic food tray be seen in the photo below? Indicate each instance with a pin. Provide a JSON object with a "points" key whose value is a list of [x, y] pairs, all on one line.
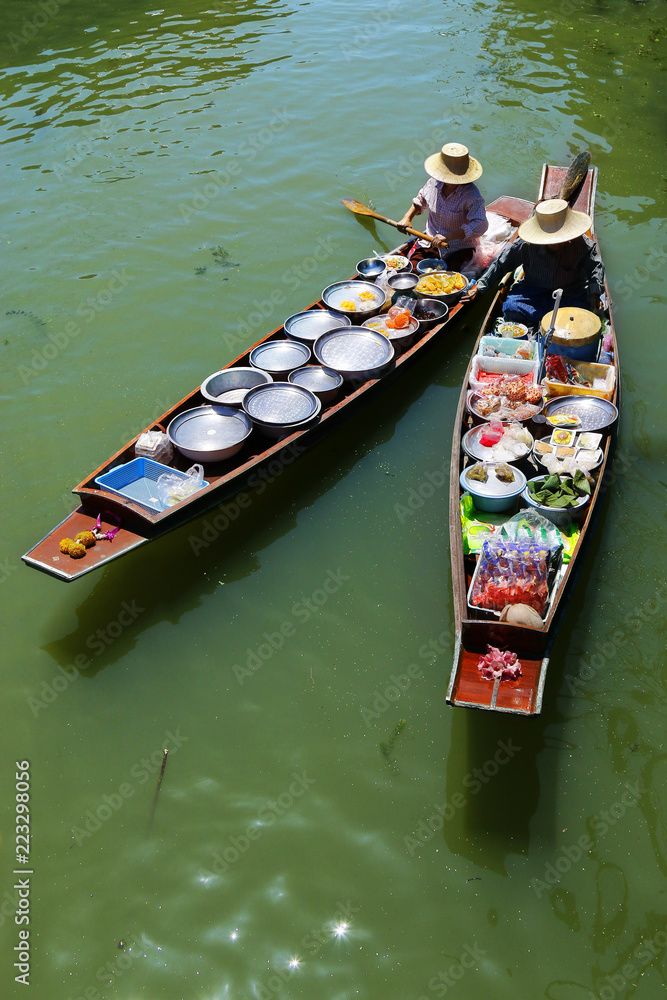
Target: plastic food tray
{"points": [[137, 481], [502, 366], [552, 589], [508, 346], [590, 371]]}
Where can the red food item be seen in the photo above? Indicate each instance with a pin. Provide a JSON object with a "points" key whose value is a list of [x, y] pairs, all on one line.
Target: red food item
{"points": [[495, 596], [495, 664], [556, 369], [398, 319], [489, 437]]}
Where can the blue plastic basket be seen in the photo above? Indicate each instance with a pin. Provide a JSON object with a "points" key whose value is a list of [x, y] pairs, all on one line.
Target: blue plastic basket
{"points": [[137, 480]]}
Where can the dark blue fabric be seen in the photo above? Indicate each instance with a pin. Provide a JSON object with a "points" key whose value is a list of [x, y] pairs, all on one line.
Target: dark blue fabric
{"points": [[528, 304]]}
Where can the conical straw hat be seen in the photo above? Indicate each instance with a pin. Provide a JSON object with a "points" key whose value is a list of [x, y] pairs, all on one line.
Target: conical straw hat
{"points": [[554, 222], [453, 164]]}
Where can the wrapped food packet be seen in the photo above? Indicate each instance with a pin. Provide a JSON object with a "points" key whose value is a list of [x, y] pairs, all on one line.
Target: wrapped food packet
{"points": [[155, 445], [172, 488], [511, 573]]}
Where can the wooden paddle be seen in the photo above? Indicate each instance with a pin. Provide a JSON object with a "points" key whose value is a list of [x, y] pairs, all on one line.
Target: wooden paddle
{"points": [[359, 209], [575, 177]]}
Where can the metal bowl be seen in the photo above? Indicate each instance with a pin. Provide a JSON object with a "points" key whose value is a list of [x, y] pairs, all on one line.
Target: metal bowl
{"points": [[339, 291], [431, 264], [473, 449], [493, 496], [355, 352], [279, 357], [210, 433], [429, 312], [560, 516], [474, 398], [399, 339], [594, 412], [451, 297], [229, 386], [309, 325], [324, 383], [403, 281], [281, 408], [370, 268]]}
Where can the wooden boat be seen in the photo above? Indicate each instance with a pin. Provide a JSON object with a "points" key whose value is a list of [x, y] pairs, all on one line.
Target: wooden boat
{"points": [[475, 629], [138, 525]]}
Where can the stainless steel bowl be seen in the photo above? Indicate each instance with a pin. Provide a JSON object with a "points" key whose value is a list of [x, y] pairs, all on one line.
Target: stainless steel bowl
{"points": [[279, 357], [370, 268], [209, 433], [355, 352], [449, 298], [307, 326], [228, 386], [404, 281], [325, 383], [339, 291], [429, 264], [399, 339], [429, 312], [281, 408]]}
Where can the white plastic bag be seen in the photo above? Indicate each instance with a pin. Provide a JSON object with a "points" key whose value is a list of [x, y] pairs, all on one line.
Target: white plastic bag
{"points": [[155, 445], [172, 488]]}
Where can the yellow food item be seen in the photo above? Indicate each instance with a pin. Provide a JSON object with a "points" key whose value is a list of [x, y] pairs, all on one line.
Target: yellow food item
{"points": [[441, 283], [65, 544], [569, 419], [366, 296], [86, 538], [76, 550], [348, 305]]}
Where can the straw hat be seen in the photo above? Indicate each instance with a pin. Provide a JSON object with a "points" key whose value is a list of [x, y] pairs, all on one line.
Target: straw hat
{"points": [[554, 222], [453, 164]]}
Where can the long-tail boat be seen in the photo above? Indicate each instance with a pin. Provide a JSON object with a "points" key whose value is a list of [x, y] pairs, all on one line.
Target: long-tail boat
{"points": [[477, 629], [139, 525]]}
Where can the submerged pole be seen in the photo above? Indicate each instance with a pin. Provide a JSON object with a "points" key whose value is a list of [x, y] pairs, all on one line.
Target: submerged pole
{"points": [[157, 789]]}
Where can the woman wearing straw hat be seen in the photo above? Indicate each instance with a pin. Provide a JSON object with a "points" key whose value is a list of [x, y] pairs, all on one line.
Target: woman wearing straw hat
{"points": [[555, 253], [456, 214]]}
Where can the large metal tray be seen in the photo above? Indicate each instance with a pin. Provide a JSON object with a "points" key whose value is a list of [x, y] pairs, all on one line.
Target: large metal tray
{"points": [[594, 412], [281, 404], [355, 351]]}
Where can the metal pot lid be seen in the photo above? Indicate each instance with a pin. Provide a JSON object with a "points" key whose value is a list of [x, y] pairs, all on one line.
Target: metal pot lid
{"points": [[312, 324], [281, 403], [208, 428], [279, 355], [354, 349], [594, 412], [350, 291], [316, 379]]}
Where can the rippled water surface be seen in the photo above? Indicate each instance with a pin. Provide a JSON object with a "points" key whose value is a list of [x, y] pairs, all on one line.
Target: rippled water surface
{"points": [[165, 171]]}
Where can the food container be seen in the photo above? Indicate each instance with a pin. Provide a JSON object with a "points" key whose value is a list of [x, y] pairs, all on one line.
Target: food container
{"points": [[449, 297], [595, 413], [228, 386], [396, 262], [281, 408], [504, 367], [279, 357], [474, 398], [399, 339], [402, 283], [371, 268], [562, 437], [356, 352], [546, 442], [577, 333], [506, 328], [493, 496], [210, 433], [560, 516], [309, 325], [430, 312], [603, 375], [473, 449], [341, 294], [137, 481], [430, 264], [324, 383], [508, 346]]}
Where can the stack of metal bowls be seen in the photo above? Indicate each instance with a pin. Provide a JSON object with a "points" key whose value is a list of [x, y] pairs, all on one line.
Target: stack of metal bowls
{"points": [[281, 408], [279, 357], [355, 352], [324, 383], [307, 326], [229, 386]]}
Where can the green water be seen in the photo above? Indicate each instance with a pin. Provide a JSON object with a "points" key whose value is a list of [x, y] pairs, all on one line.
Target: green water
{"points": [[163, 173]]}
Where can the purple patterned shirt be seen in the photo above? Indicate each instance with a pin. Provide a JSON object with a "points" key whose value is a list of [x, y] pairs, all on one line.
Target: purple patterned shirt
{"points": [[462, 209]]}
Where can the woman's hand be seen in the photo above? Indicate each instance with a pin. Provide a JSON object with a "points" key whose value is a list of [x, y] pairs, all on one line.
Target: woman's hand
{"points": [[438, 241], [402, 224], [471, 293]]}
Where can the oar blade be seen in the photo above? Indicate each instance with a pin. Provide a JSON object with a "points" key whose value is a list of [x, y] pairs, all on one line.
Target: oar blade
{"points": [[357, 207], [575, 177]]}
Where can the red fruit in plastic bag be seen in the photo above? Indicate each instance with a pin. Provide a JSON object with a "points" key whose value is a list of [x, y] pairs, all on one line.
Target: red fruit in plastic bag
{"points": [[489, 437], [397, 319]]}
